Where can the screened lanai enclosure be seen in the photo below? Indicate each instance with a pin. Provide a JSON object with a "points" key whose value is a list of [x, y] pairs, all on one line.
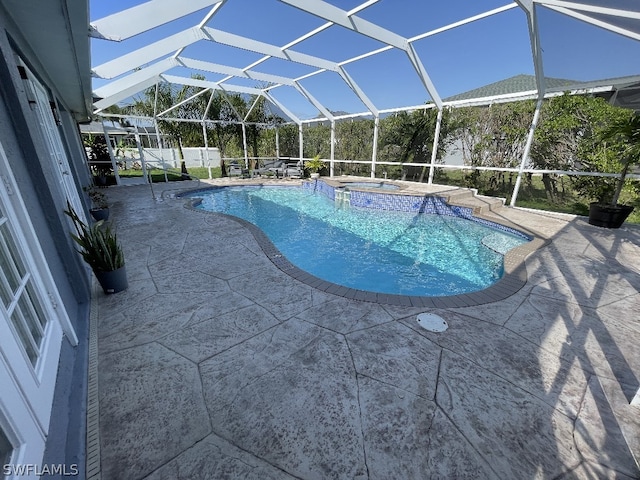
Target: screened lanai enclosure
{"points": [[411, 90]]}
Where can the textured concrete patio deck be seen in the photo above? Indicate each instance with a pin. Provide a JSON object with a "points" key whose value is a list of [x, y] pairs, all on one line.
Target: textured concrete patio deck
{"points": [[216, 364]]}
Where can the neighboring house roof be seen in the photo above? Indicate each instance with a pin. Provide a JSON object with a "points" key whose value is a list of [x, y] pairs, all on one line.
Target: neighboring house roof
{"points": [[624, 92], [517, 84]]}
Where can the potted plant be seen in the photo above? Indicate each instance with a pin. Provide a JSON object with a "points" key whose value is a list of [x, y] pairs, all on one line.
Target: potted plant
{"points": [[99, 158], [99, 247], [315, 165], [99, 207], [618, 149]]}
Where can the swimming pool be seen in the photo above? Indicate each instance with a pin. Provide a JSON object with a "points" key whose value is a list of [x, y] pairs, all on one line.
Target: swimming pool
{"points": [[393, 252]]}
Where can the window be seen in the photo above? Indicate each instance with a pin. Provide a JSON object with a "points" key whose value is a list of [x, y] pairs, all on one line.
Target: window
{"points": [[20, 303], [6, 449]]}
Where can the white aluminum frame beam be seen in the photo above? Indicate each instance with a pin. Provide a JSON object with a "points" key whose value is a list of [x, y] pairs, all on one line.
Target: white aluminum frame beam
{"points": [[527, 150], [146, 16], [154, 13], [424, 76], [434, 148], [336, 15], [284, 109], [465, 21], [186, 100], [255, 102], [614, 12], [149, 53], [135, 78], [352, 22], [569, 9], [305, 93], [358, 91], [534, 39], [234, 72], [124, 93], [237, 41], [194, 82]]}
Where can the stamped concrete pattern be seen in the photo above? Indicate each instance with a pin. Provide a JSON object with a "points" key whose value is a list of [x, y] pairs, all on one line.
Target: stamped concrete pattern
{"points": [[217, 364]]}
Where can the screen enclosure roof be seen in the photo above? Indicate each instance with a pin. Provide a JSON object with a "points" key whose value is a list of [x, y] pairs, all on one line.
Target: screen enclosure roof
{"points": [[315, 59]]}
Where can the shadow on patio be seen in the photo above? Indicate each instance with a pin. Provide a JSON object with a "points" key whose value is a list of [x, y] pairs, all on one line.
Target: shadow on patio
{"points": [[216, 364]]}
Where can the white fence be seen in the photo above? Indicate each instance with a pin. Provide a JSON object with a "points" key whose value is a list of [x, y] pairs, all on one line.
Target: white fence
{"points": [[169, 158]]}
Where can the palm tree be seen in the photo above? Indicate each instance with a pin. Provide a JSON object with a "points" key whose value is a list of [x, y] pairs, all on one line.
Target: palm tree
{"points": [[625, 133], [164, 96]]}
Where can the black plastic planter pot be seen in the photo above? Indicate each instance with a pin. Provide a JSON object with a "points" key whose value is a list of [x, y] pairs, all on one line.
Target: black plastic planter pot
{"points": [[608, 216], [114, 281], [100, 213]]}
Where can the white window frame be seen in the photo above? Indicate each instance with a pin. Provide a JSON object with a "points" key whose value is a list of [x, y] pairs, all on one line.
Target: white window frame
{"points": [[27, 391]]}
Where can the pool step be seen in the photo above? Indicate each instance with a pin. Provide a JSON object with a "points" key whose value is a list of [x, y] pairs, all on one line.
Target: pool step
{"points": [[480, 204], [457, 196]]}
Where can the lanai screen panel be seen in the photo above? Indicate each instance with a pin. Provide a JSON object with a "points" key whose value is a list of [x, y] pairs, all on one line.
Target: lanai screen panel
{"points": [[375, 55], [590, 53], [464, 58]]}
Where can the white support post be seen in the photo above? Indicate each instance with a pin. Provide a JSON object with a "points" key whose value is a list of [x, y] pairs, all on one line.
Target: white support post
{"points": [[527, 150], [333, 147], [145, 172], [114, 165], [300, 141], [374, 155], [206, 148], [434, 150], [277, 144], [244, 145], [159, 140]]}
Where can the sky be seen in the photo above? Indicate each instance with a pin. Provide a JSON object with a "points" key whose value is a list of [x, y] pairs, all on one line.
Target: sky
{"points": [[456, 61]]}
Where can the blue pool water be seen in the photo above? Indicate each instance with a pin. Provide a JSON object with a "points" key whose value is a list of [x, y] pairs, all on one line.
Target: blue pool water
{"points": [[367, 249]]}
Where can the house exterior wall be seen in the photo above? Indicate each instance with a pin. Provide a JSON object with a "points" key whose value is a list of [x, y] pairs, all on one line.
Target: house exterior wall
{"points": [[32, 166]]}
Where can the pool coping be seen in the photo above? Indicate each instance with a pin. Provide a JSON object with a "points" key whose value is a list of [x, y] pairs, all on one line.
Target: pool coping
{"points": [[514, 278]]}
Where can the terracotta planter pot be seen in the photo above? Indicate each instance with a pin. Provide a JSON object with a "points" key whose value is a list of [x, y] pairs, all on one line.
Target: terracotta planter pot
{"points": [[608, 216]]}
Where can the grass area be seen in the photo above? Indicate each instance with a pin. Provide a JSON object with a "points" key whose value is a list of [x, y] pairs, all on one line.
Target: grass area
{"points": [[173, 174], [532, 193]]}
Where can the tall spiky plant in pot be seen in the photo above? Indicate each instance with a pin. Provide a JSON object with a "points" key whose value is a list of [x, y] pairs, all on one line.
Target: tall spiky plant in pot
{"points": [[101, 250], [619, 148]]}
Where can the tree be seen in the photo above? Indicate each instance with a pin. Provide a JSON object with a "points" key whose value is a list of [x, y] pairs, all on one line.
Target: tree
{"points": [[566, 134], [613, 148], [493, 136], [408, 138], [256, 118], [289, 141], [165, 96], [353, 140], [317, 141], [224, 131]]}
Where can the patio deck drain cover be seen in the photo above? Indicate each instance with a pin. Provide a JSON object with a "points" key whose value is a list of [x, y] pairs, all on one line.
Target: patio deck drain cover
{"points": [[432, 322]]}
